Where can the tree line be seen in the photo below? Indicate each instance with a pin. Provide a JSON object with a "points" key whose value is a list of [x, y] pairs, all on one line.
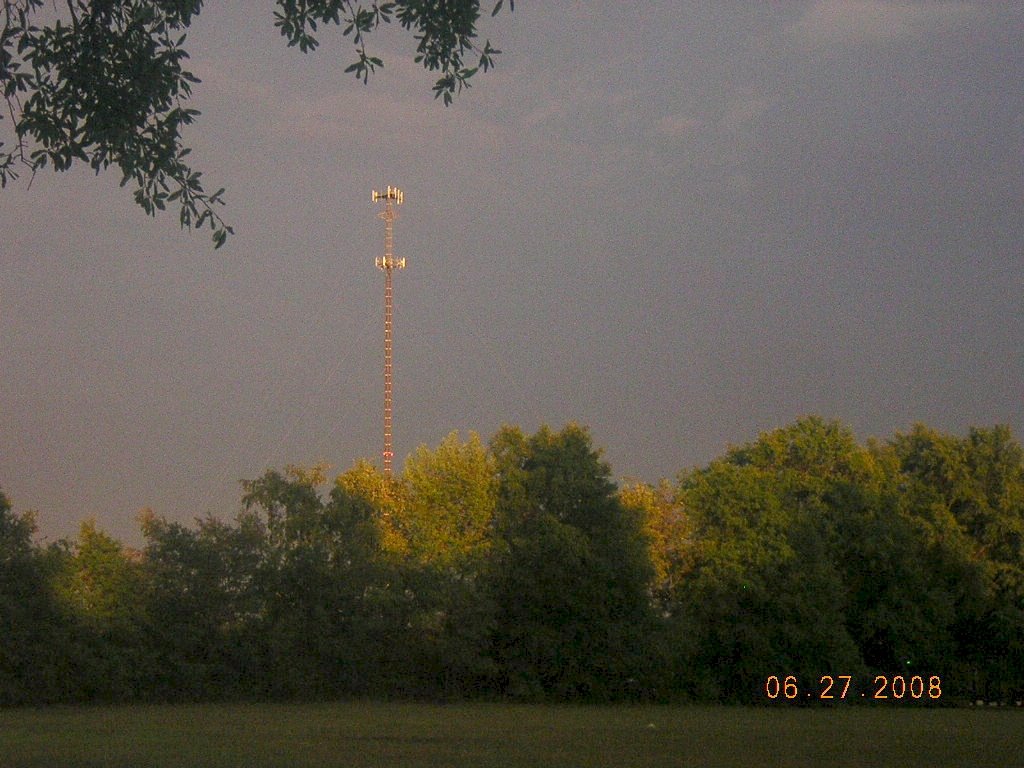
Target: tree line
{"points": [[518, 569]]}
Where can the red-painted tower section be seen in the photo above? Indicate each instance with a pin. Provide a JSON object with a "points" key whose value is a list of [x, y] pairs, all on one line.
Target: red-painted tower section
{"points": [[392, 196]]}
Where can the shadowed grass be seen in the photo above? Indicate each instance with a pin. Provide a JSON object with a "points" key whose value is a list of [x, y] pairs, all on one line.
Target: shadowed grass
{"points": [[361, 734]]}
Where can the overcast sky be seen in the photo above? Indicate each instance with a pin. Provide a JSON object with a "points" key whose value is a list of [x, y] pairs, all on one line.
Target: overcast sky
{"points": [[678, 223]]}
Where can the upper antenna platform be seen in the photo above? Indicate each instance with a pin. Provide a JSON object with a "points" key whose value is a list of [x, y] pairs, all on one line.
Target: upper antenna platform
{"points": [[391, 193]]}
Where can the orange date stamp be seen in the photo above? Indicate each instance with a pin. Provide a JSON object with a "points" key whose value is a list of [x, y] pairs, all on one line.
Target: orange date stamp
{"points": [[843, 687]]}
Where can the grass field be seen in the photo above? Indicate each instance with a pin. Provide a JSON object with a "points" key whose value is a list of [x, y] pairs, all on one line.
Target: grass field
{"points": [[360, 735]]}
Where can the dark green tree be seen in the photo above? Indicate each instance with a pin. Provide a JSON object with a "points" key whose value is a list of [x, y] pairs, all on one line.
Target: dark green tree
{"points": [[104, 83], [34, 639], [341, 604], [203, 606], [100, 584], [765, 593], [572, 571], [307, 599], [907, 573], [970, 492]]}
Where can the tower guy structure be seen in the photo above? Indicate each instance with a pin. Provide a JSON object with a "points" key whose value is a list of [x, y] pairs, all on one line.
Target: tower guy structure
{"points": [[387, 263]]}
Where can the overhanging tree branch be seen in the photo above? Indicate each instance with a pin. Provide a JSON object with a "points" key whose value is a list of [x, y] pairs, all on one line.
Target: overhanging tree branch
{"points": [[106, 85]]}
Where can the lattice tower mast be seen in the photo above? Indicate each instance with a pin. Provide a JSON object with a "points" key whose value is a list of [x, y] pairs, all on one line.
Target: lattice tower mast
{"points": [[388, 263]]}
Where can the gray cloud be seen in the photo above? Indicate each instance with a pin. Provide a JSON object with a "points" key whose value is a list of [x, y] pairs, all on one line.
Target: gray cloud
{"points": [[859, 22]]}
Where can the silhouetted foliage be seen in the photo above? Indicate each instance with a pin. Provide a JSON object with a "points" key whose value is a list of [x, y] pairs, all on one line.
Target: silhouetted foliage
{"points": [[519, 570], [24, 612]]}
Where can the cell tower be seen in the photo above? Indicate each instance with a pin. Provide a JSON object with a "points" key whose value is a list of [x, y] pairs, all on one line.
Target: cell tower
{"points": [[388, 264]]}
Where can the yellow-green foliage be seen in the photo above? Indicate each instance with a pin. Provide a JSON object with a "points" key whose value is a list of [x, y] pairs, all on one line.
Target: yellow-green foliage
{"points": [[450, 498], [101, 581]]}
